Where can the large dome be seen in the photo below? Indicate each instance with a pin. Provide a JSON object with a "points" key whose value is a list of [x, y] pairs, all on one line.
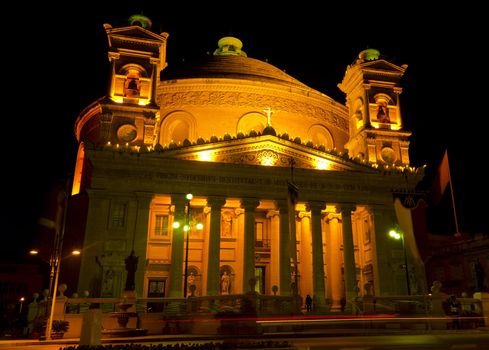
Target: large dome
{"points": [[230, 93], [230, 61], [230, 66]]}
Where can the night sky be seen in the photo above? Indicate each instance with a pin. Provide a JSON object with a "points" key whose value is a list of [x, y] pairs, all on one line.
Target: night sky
{"points": [[57, 64]]}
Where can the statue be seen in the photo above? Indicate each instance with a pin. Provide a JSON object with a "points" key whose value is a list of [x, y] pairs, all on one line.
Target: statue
{"points": [[131, 267], [479, 276], [436, 288], [225, 283], [191, 287], [368, 289]]}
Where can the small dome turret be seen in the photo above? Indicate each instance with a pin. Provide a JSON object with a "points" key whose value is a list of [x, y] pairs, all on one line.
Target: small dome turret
{"points": [[368, 55], [229, 46], [141, 21]]}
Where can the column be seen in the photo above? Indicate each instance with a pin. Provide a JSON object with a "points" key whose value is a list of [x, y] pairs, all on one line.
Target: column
{"points": [[284, 248], [154, 78], [214, 248], [306, 254], [176, 270], [350, 274], [95, 236], [141, 236], [249, 205], [317, 255], [384, 219], [273, 215], [334, 260]]}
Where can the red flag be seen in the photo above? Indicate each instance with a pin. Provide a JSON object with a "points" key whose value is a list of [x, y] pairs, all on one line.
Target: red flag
{"points": [[442, 179], [442, 215]]}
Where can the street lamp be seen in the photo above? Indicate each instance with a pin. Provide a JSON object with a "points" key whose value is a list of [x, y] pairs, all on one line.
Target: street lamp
{"points": [[59, 226], [21, 300], [400, 235], [186, 229]]}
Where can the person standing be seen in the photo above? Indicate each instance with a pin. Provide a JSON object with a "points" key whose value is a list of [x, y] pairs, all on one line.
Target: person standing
{"points": [[131, 267], [308, 303]]}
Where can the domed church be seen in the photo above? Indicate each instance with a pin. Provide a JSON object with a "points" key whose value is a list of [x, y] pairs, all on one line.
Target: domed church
{"points": [[224, 174]]}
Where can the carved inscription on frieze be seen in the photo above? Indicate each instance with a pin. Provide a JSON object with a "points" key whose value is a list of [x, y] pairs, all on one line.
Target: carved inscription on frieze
{"points": [[251, 181]]}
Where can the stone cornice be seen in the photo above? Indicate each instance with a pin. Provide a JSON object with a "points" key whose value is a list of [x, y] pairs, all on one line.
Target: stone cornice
{"points": [[386, 133], [115, 170]]}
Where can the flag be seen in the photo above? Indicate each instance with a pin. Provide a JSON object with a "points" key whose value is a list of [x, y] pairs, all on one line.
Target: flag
{"points": [[292, 196], [441, 214], [442, 179]]}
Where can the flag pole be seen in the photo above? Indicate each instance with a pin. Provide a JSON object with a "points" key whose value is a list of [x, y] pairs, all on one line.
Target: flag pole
{"points": [[457, 232]]}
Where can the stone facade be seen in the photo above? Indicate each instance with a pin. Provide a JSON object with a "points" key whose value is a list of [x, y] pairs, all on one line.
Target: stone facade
{"points": [[287, 194]]}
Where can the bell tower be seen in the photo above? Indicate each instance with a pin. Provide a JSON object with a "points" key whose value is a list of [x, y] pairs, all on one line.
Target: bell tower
{"points": [[137, 56], [372, 90], [127, 115]]}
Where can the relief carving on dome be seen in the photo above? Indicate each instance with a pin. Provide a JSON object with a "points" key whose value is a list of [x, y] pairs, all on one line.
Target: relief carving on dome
{"points": [[254, 100]]}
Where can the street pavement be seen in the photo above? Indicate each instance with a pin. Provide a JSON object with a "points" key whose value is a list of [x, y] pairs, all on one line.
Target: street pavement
{"points": [[474, 339]]}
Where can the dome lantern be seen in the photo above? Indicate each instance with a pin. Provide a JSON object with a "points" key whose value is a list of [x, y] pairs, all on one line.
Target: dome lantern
{"points": [[229, 46], [141, 21]]}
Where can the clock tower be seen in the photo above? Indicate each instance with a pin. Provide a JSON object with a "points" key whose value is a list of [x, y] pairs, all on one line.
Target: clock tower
{"points": [[372, 90]]}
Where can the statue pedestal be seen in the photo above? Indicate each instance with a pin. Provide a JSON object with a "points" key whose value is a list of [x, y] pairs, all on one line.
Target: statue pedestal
{"points": [[91, 328], [368, 304], [130, 297], [484, 298], [437, 311]]}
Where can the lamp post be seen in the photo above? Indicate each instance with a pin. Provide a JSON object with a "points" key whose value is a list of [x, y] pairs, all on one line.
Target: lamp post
{"points": [[21, 300], [400, 235], [55, 259], [186, 230]]}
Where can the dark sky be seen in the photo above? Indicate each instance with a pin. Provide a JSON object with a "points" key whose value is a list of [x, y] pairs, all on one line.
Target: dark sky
{"points": [[57, 65]]}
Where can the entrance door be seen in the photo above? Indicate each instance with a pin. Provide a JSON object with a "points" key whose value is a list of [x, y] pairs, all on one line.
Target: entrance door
{"points": [[156, 289], [260, 279]]}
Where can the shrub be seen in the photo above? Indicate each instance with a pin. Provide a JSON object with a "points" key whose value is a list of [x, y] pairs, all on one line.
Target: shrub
{"points": [[60, 326]]}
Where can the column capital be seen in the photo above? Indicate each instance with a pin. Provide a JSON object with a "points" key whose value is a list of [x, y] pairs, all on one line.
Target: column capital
{"points": [[249, 204], [215, 202], [178, 199], [333, 216], [380, 207], [315, 207], [144, 195], [345, 208], [271, 213], [238, 211], [304, 214], [282, 204]]}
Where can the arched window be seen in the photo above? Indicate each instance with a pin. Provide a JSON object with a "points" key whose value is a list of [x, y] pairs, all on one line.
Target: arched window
{"points": [[320, 135], [251, 121], [130, 79], [176, 127]]}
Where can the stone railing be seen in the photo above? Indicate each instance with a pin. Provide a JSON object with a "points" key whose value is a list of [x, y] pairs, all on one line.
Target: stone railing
{"points": [[172, 315]]}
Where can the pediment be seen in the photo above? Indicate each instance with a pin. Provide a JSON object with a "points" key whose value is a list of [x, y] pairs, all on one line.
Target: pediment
{"points": [[384, 65], [267, 150], [133, 32]]}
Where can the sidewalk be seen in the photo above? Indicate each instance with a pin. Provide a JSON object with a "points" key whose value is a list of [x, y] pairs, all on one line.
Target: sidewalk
{"points": [[178, 338]]}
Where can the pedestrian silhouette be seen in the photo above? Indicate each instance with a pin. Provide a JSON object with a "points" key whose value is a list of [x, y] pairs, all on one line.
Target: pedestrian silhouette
{"points": [[308, 303]]}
